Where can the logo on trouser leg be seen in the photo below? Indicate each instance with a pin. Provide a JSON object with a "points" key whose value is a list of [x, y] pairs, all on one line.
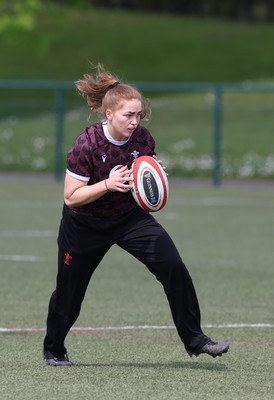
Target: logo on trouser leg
{"points": [[67, 259]]}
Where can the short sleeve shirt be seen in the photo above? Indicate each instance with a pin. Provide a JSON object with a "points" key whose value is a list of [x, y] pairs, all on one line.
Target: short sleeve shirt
{"points": [[93, 157]]}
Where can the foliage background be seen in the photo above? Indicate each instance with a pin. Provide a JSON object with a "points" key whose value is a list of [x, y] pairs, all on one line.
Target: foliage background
{"points": [[58, 40], [54, 40]]}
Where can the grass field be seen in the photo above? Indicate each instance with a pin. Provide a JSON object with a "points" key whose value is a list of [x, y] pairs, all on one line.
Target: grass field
{"points": [[225, 237]]}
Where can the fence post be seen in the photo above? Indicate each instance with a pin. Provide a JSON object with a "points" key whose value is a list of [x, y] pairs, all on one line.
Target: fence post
{"points": [[217, 135], [59, 104]]}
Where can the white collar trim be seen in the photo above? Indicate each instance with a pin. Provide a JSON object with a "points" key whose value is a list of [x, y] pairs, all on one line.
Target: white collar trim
{"points": [[110, 138]]}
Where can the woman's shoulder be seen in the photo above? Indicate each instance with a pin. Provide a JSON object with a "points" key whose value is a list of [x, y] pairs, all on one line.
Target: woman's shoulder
{"points": [[95, 129], [143, 134], [91, 136]]}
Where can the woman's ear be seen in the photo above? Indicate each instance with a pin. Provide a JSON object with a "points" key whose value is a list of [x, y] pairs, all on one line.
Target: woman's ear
{"points": [[109, 114]]}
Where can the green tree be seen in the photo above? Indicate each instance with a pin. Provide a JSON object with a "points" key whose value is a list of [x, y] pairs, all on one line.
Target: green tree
{"points": [[18, 14]]}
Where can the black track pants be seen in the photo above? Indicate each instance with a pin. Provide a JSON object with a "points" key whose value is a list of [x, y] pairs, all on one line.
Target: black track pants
{"points": [[82, 245]]}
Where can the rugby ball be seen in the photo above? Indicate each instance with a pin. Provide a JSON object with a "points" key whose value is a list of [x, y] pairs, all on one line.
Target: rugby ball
{"points": [[150, 186]]}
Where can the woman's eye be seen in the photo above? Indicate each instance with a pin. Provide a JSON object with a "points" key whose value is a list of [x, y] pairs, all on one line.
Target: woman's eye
{"points": [[132, 115]]}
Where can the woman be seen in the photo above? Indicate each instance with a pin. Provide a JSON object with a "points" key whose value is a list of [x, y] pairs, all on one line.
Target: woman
{"points": [[99, 211]]}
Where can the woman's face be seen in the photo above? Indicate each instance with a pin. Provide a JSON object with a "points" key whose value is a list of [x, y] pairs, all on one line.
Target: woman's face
{"points": [[124, 119]]}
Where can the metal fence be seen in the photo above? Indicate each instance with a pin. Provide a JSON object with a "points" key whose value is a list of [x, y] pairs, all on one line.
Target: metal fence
{"points": [[60, 88]]}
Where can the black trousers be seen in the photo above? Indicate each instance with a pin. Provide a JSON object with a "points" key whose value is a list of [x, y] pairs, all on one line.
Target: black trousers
{"points": [[83, 244]]}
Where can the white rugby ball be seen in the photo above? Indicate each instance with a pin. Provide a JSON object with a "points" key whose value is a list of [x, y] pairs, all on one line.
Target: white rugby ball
{"points": [[150, 185]]}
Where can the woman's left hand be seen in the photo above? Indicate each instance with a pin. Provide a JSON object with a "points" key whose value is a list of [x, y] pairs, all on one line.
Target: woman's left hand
{"points": [[161, 163]]}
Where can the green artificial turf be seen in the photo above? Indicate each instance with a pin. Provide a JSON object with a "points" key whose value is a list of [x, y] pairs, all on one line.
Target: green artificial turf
{"points": [[225, 238]]}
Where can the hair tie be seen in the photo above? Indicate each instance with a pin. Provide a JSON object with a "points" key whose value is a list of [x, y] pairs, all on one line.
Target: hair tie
{"points": [[114, 84]]}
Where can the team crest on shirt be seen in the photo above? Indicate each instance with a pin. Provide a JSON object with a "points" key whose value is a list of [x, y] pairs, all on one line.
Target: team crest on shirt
{"points": [[104, 157], [135, 154]]}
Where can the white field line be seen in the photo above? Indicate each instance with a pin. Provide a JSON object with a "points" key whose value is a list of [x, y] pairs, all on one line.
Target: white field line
{"points": [[222, 202], [139, 327], [19, 258], [24, 234], [27, 233]]}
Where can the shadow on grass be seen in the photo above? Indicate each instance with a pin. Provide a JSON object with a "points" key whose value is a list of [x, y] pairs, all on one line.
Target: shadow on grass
{"points": [[176, 365]]}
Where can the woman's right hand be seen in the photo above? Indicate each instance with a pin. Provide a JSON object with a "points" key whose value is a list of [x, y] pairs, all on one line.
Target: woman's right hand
{"points": [[119, 180]]}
